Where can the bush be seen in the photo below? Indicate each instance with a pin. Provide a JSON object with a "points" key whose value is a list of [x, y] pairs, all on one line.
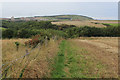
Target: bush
{"points": [[24, 33], [8, 33], [93, 31]]}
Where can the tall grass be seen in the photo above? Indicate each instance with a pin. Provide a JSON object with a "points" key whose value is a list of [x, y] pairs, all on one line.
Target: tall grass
{"points": [[30, 66]]}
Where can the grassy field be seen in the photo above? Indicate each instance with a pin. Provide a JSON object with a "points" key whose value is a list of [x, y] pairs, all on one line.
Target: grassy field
{"points": [[79, 23], [112, 24], [84, 57], [92, 23], [80, 59]]}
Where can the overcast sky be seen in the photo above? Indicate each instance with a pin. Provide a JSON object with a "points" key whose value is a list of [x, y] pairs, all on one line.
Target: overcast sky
{"points": [[97, 10], [59, 0]]}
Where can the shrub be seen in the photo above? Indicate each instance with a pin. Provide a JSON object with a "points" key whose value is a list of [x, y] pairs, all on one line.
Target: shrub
{"points": [[8, 33]]}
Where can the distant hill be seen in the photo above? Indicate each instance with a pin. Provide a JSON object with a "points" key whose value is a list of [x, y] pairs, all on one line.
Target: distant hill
{"points": [[51, 18], [64, 17]]}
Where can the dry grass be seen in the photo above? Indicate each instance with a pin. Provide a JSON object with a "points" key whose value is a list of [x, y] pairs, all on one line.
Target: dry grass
{"points": [[80, 23], [112, 41], [9, 51], [100, 52], [103, 50], [36, 64]]}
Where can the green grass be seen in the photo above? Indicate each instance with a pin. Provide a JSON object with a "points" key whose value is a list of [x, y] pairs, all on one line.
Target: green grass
{"points": [[77, 64], [2, 28], [21, 74], [111, 24], [58, 71]]}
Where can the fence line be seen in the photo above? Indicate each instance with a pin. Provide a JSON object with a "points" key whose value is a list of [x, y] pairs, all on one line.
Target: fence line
{"points": [[28, 62]]}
